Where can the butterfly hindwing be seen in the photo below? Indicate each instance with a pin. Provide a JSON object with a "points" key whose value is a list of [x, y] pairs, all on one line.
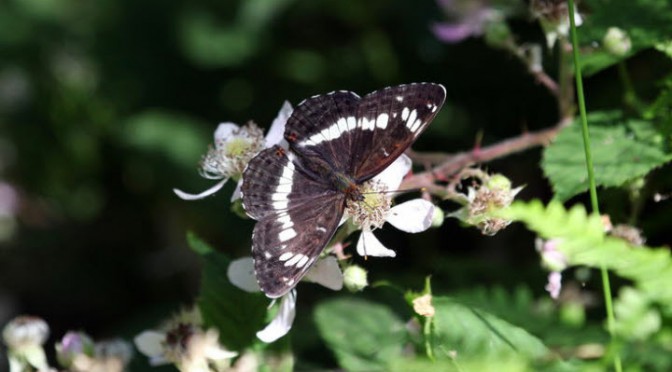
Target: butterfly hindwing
{"points": [[296, 217], [286, 245]]}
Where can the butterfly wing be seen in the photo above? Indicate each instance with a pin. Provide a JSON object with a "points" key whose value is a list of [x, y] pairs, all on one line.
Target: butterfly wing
{"points": [[363, 136], [323, 126], [394, 117], [296, 217]]}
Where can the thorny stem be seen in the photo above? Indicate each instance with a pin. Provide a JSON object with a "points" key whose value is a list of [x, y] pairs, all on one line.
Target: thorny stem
{"points": [[450, 165]]}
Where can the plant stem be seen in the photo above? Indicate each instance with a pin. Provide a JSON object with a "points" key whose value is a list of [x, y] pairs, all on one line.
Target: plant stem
{"points": [[591, 176]]}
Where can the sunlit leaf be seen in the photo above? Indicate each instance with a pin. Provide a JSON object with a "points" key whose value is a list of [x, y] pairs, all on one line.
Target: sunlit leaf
{"points": [[647, 22], [622, 150], [584, 243]]}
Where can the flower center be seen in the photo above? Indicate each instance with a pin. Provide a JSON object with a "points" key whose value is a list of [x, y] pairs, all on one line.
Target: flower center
{"points": [[370, 212]]}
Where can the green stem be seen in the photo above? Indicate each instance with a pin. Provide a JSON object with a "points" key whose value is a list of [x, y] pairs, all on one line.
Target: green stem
{"points": [[630, 95], [591, 175]]}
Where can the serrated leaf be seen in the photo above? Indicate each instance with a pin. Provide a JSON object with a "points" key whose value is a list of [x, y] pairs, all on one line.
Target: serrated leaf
{"points": [[238, 315], [364, 336], [622, 149], [581, 243], [473, 333], [647, 23]]}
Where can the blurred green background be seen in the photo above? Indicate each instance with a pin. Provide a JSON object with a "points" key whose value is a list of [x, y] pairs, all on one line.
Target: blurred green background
{"points": [[107, 105]]}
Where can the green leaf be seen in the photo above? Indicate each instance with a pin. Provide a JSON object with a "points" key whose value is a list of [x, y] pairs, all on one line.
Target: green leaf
{"points": [[197, 245], [584, 243], [364, 336], [238, 315], [622, 149], [647, 23], [473, 333]]}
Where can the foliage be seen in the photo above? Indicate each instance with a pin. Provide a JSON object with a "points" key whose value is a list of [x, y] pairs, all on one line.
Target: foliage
{"points": [[623, 150]]}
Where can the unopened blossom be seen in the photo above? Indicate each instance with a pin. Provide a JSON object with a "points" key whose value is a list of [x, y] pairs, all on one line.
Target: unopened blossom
{"points": [[325, 272], [375, 209], [234, 147], [184, 342], [554, 284], [423, 305], [24, 337], [617, 42], [554, 18], [74, 345], [355, 278]]}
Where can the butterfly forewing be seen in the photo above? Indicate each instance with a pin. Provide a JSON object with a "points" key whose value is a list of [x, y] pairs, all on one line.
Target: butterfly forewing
{"points": [[297, 217], [323, 126], [396, 116]]}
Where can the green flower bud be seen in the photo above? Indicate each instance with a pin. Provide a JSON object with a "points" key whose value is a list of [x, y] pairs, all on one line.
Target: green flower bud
{"points": [[617, 42], [355, 278]]}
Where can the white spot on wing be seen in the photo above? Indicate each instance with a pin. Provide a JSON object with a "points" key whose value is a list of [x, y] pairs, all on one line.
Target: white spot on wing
{"points": [[399, 98], [381, 121], [302, 261], [321, 229], [404, 113], [411, 119], [285, 256], [294, 260], [286, 234]]}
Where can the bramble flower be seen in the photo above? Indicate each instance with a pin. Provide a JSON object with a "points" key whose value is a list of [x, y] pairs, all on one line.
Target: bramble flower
{"points": [[183, 341], [484, 200], [24, 337], [325, 272], [413, 216], [234, 147], [553, 16]]}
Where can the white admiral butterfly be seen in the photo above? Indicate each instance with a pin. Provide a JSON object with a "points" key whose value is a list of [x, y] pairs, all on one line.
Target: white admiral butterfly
{"points": [[336, 142]]}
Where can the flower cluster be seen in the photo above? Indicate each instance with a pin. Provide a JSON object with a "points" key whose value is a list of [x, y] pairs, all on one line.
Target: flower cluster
{"points": [[76, 352]]}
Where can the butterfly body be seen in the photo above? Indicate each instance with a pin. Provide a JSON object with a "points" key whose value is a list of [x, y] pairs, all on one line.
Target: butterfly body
{"points": [[337, 142]]}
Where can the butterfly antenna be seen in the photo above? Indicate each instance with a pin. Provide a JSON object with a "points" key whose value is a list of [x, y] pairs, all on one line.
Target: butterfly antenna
{"points": [[417, 189]]}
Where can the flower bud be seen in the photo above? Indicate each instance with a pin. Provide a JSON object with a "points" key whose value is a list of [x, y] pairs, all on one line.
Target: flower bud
{"points": [[355, 278], [438, 217], [73, 345], [423, 305], [617, 42]]}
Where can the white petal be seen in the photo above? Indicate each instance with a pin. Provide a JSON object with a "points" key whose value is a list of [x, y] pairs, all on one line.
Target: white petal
{"points": [[150, 343], [413, 216], [369, 245], [327, 273], [186, 196], [393, 174], [219, 353], [282, 323], [241, 274], [237, 194], [277, 129], [224, 131]]}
